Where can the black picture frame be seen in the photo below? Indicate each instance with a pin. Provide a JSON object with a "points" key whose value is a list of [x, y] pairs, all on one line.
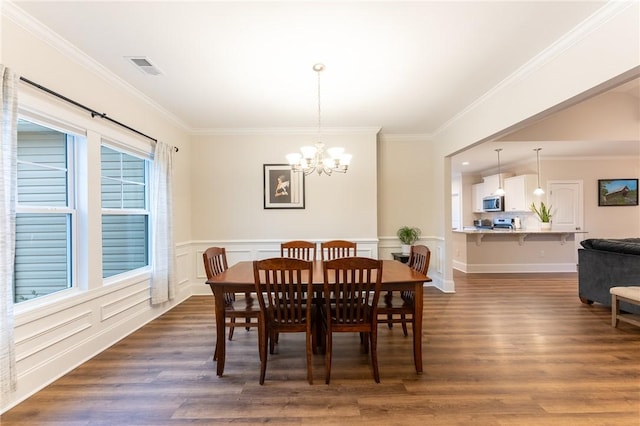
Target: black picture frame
{"points": [[283, 188], [617, 192]]}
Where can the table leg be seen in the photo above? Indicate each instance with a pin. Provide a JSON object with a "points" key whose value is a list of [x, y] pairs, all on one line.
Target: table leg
{"points": [[417, 324], [220, 328]]}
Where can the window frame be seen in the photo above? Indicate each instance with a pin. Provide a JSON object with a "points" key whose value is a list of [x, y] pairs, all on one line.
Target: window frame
{"points": [[72, 139], [120, 148]]}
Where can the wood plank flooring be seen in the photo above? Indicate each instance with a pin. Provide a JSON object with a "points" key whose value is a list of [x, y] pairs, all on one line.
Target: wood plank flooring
{"points": [[506, 349]]}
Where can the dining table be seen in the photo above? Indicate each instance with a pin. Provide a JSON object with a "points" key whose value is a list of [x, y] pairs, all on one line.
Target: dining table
{"points": [[396, 276]]}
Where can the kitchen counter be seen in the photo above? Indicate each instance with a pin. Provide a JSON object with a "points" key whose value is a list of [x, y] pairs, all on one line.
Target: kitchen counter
{"points": [[520, 233], [514, 251]]}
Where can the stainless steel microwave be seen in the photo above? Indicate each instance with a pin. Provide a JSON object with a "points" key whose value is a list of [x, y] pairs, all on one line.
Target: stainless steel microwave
{"points": [[493, 203]]}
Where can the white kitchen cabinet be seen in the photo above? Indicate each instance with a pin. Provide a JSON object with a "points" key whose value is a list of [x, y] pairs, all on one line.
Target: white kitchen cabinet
{"points": [[477, 192], [492, 183], [519, 193]]}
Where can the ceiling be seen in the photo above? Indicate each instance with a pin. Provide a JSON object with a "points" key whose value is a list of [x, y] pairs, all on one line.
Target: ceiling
{"points": [[405, 67], [483, 159]]}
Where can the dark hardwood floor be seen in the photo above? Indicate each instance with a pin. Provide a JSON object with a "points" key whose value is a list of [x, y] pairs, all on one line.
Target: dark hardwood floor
{"points": [[506, 349]]}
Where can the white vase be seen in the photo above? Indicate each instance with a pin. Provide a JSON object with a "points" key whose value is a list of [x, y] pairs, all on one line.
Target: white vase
{"points": [[545, 226], [406, 248]]}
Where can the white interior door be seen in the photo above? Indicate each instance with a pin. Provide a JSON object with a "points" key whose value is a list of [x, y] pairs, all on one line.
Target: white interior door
{"points": [[566, 199]]}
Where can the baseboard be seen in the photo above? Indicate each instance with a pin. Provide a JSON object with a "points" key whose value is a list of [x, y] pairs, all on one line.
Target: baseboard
{"points": [[514, 268]]}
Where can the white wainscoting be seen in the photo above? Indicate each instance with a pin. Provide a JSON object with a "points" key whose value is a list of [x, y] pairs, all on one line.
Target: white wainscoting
{"points": [[56, 334]]}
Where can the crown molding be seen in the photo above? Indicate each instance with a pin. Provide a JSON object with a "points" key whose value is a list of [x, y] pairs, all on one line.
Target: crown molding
{"points": [[21, 18], [406, 137], [577, 34], [286, 131]]}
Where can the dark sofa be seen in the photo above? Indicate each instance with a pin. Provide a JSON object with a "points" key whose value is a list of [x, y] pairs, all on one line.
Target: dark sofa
{"points": [[606, 263]]}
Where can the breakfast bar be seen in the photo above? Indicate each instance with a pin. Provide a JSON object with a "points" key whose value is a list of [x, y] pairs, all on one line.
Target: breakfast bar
{"points": [[516, 251], [520, 234]]}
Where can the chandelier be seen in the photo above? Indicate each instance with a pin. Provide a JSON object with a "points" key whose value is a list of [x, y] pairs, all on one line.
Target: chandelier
{"points": [[318, 158]]}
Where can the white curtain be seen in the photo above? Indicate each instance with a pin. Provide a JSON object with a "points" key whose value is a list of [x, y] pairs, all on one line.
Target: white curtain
{"points": [[163, 286], [8, 191]]}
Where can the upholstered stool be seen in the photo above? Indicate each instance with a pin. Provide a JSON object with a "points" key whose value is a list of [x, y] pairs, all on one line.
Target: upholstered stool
{"points": [[625, 294]]}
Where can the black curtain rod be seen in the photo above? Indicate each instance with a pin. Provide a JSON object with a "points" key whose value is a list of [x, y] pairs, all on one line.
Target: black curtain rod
{"points": [[93, 112]]}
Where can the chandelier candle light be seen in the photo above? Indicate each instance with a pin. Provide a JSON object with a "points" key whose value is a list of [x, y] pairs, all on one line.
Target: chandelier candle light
{"points": [[312, 158]]}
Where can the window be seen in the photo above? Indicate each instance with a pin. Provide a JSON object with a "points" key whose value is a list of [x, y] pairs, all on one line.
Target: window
{"points": [[125, 214], [45, 213]]}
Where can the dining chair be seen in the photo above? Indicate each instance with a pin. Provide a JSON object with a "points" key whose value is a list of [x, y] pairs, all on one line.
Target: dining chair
{"points": [[284, 288], [351, 290], [215, 262], [336, 249], [305, 250], [392, 311]]}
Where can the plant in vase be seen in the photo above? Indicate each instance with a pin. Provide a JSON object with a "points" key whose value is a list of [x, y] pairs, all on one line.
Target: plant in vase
{"points": [[408, 235], [544, 215]]}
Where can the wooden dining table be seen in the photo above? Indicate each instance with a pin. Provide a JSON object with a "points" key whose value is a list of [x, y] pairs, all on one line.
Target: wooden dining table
{"points": [[238, 278]]}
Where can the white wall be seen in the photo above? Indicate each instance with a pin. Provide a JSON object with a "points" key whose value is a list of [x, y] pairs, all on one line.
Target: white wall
{"points": [[227, 185], [405, 196]]}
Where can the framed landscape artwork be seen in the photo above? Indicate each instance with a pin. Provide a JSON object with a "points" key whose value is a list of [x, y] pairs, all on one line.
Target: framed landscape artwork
{"points": [[283, 188], [617, 192]]}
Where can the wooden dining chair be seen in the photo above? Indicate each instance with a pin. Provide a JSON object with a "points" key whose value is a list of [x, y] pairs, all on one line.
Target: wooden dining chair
{"points": [[336, 249], [298, 249], [284, 288], [393, 311], [351, 290], [215, 262]]}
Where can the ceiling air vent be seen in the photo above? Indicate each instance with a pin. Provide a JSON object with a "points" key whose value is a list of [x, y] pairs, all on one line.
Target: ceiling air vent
{"points": [[144, 65]]}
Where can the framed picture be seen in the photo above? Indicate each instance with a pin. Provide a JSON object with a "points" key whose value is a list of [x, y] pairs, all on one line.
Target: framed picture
{"points": [[283, 188], [617, 192]]}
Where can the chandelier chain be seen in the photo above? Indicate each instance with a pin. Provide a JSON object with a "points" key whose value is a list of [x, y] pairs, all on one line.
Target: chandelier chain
{"points": [[318, 71]]}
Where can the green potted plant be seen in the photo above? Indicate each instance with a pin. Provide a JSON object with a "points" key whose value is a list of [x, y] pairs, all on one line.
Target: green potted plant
{"points": [[407, 236], [544, 214]]}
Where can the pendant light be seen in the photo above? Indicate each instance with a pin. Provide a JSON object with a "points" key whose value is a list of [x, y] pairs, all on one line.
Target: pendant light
{"points": [[538, 191], [499, 191]]}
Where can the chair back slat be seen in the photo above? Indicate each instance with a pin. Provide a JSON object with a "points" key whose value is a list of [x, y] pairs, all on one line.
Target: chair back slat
{"points": [[298, 249], [337, 249]]}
